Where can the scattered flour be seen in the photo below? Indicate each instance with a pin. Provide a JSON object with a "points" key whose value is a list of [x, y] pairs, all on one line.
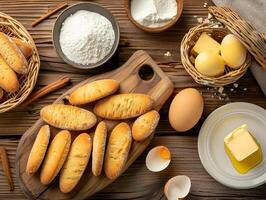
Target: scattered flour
{"points": [[153, 13], [86, 37]]}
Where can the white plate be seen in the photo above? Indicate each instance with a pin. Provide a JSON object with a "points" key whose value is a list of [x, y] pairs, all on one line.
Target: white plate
{"points": [[211, 147]]}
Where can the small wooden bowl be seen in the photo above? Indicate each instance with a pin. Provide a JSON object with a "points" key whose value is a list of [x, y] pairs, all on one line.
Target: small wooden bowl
{"points": [[218, 33], [157, 29]]}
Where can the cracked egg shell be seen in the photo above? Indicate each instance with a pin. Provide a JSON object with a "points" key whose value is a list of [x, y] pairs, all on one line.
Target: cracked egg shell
{"points": [[158, 158], [177, 187]]}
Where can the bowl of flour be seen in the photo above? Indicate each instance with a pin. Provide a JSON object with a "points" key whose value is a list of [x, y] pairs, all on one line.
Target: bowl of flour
{"points": [[153, 15], [86, 36]]}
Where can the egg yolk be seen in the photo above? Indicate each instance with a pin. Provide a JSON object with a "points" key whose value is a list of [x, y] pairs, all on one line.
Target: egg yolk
{"points": [[165, 153]]}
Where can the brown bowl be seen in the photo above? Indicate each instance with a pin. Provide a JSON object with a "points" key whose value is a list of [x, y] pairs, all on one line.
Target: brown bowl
{"points": [[157, 29], [93, 7]]}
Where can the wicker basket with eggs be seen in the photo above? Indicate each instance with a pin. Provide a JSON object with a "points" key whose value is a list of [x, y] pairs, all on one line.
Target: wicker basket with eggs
{"points": [[217, 55]]}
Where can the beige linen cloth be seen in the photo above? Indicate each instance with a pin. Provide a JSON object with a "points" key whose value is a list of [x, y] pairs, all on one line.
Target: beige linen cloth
{"points": [[253, 11]]}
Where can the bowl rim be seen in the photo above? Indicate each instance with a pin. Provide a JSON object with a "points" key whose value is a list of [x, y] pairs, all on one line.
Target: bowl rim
{"points": [[180, 5], [57, 46]]}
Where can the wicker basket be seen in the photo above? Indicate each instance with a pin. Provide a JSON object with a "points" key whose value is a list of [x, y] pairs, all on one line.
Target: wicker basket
{"points": [[13, 28], [216, 32], [253, 40]]}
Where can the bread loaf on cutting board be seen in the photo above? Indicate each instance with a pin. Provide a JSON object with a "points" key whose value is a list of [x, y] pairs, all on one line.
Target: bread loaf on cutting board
{"points": [[76, 162], [55, 157], [12, 55], [117, 150], [99, 142], [38, 150], [68, 117], [123, 106], [145, 125], [93, 91], [8, 78]]}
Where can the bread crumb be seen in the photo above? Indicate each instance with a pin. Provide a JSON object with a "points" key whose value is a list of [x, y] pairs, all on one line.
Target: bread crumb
{"points": [[200, 20], [206, 21], [205, 4], [245, 89], [235, 85], [209, 15], [220, 90], [167, 54]]}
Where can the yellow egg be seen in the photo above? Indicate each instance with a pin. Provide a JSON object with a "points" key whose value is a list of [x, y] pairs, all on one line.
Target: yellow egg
{"points": [[233, 51], [186, 109], [209, 64]]}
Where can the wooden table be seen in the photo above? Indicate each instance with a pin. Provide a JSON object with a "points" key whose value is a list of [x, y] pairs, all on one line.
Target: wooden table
{"points": [[137, 182]]}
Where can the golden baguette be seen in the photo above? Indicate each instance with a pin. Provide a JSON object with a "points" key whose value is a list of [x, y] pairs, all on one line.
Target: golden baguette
{"points": [[93, 91], [24, 47], [123, 106], [117, 150], [56, 156], [12, 55], [145, 125], [68, 117], [8, 78], [76, 163], [99, 142], [38, 150]]}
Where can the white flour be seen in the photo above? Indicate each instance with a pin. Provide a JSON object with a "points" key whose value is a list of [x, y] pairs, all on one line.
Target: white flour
{"points": [[86, 37], [153, 13]]}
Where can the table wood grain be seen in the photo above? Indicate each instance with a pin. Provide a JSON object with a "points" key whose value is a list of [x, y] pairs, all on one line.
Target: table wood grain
{"points": [[137, 182]]}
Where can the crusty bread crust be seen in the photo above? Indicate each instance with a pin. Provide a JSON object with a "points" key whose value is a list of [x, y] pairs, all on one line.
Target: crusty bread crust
{"points": [[12, 55], [123, 106], [145, 125], [99, 142], [117, 150], [8, 78], [93, 91], [68, 117], [55, 157], [76, 163], [38, 150]]}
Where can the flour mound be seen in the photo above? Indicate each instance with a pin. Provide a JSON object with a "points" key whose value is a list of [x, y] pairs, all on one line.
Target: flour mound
{"points": [[86, 37]]}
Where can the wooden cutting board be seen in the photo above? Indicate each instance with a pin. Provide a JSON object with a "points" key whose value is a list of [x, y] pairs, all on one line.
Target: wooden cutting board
{"points": [[140, 74]]}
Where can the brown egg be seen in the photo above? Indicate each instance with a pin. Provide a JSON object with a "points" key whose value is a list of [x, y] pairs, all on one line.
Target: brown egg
{"points": [[186, 109]]}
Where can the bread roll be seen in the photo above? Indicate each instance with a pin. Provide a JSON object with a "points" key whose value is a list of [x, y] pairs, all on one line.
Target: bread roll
{"points": [[76, 162], [117, 150], [123, 106], [68, 117], [8, 78], [56, 156], [12, 55], [99, 141], [38, 150], [145, 125], [24, 47], [93, 91]]}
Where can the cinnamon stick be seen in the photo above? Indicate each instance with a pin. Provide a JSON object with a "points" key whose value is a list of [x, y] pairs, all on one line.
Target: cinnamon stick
{"points": [[46, 90], [48, 14], [6, 168]]}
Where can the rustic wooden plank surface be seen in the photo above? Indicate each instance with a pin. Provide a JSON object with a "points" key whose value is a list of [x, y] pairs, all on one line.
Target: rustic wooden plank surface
{"points": [[183, 146]]}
